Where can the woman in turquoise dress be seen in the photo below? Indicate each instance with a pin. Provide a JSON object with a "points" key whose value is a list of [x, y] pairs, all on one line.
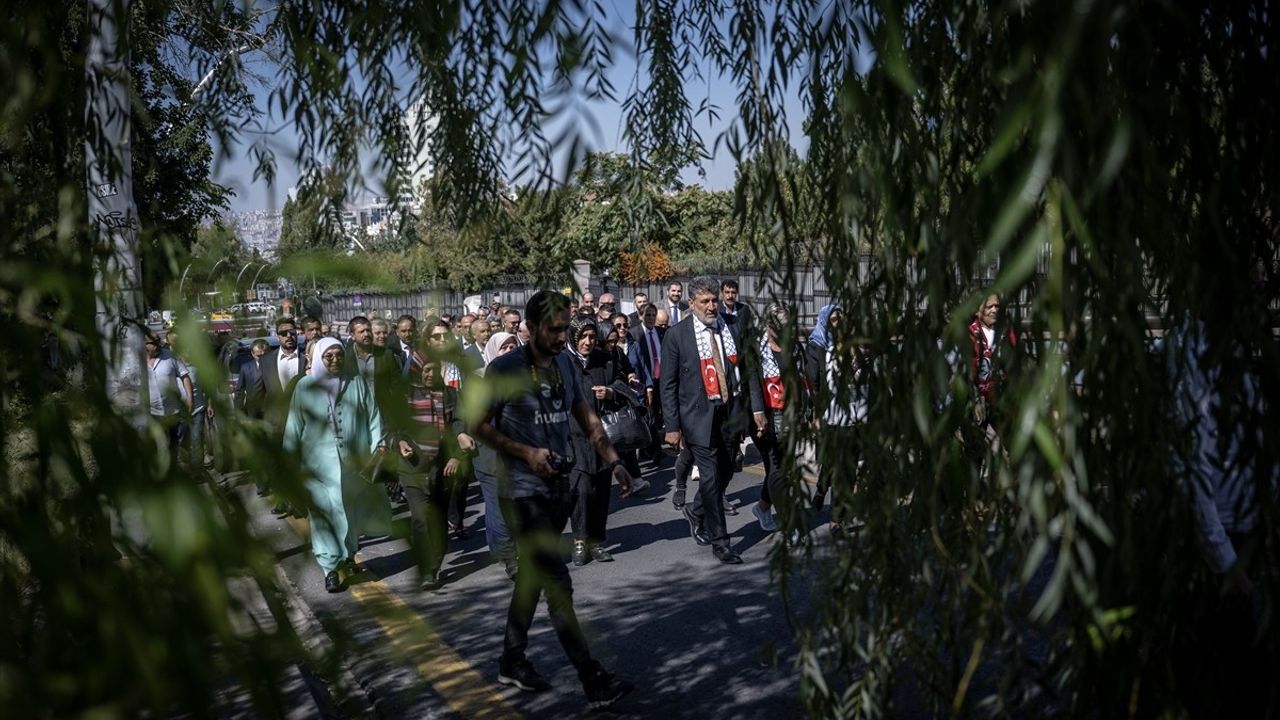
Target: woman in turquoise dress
{"points": [[335, 428]]}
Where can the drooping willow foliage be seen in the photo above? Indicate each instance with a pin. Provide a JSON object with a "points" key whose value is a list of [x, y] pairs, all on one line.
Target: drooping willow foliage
{"points": [[1105, 166]]}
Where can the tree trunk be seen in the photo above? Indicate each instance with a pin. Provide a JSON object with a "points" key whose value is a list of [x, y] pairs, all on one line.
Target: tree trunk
{"points": [[113, 217]]}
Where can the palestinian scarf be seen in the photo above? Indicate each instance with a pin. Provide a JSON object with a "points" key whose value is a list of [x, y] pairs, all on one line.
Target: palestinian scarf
{"points": [[451, 374], [710, 379], [772, 373]]}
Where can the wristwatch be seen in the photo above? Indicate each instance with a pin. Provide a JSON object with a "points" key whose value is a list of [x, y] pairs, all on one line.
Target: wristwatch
{"points": [[615, 464]]}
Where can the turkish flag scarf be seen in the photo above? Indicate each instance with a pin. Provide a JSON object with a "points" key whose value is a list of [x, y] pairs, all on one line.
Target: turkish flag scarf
{"points": [[710, 380]]}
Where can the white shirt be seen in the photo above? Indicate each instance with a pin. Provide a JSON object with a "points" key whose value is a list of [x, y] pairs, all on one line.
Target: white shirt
{"points": [[674, 311], [286, 366]]}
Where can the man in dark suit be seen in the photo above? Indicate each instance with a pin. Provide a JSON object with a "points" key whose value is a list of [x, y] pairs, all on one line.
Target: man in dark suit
{"points": [[250, 385], [646, 338], [734, 312], [405, 339], [379, 368], [637, 316], [279, 368], [676, 308], [740, 316], [707, 391]]}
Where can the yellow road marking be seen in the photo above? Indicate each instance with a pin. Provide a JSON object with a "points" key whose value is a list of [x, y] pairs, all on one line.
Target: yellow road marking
{"points": [[466, 691], [759, 470]]}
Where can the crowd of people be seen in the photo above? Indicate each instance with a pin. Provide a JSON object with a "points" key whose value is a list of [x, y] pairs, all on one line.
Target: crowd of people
{"points": [[381, 414], [546, 411]]}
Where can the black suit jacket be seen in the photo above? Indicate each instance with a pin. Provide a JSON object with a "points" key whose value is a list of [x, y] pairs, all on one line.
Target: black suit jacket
{"points": [[389, 389], [684, 310], [684, 399], [252, 389], [271, 371], [744, 318], [638, 337]]}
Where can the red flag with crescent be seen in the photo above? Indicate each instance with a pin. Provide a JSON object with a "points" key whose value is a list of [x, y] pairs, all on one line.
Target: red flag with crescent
{"points": [[773, 393], [710, 381]]}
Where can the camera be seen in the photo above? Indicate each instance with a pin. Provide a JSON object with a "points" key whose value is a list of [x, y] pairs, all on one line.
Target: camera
{"points": [[560, 464]]}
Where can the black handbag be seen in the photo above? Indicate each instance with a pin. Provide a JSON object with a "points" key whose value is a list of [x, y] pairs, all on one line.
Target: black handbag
{"points": [[626, 429]]}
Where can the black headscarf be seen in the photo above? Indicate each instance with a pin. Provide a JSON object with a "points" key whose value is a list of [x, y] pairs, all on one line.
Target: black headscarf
{"points": [[577, 326]]}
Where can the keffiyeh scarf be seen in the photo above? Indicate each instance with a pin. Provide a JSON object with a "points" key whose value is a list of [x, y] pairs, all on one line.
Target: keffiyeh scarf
{"points": [[710, 380], [773, 398]]}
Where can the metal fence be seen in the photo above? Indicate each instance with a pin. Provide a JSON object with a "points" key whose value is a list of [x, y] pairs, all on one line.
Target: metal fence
{"points": [[756, 287]]}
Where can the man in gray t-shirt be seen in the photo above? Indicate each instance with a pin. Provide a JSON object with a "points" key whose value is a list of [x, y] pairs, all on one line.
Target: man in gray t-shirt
{"points": [[532, 407], [528, 424], [169, 388]]}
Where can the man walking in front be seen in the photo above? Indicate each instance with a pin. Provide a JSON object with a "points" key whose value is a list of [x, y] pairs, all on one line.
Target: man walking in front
{"points": [[706, 396], [536, 388]]}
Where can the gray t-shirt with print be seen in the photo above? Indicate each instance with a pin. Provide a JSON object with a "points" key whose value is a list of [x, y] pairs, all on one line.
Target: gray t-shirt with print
{"points": [[531, 406]]}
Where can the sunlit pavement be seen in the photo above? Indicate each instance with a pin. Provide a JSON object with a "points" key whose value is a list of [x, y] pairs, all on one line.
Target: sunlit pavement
{"points": [[697, 638]]}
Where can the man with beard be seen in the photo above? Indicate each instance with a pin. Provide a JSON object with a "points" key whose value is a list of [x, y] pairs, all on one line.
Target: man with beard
{"points": [[708, 414], [676, 308], [279, 369], [528, 424]]}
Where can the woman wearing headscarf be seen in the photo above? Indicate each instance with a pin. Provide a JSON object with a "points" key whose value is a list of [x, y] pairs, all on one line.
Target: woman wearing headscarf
{"points": [[500, 343], [837, 372], [335, 427], [501, 545], [591, 476]]}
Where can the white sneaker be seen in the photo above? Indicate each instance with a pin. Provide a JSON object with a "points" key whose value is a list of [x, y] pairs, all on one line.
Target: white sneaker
{"points": [[767, 521]]}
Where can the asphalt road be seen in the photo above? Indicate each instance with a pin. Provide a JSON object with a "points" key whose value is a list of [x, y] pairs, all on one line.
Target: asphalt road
{"points": [[697, 638]]}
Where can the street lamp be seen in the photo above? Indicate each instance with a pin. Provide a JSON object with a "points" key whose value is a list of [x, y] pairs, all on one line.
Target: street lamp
{"points": [[240, 276], [214, 269], [254, 281]]}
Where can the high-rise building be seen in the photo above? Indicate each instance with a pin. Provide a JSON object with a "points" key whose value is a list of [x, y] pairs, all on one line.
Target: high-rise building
{"points": [[420, 123]]}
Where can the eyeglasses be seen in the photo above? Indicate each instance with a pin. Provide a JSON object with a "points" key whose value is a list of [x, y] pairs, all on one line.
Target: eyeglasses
{"points": [[439, 336], [289, 333]]}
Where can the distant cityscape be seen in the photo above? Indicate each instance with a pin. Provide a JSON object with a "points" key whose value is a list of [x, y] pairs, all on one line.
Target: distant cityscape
{"points": [[260, 230]]}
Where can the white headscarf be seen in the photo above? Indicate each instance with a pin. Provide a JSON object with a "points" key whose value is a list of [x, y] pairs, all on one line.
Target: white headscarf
{"points": [[495, 343], [325, 379]]}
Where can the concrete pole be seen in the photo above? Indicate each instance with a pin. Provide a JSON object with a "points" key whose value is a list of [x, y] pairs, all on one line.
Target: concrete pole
{"points": [[113, 216]]}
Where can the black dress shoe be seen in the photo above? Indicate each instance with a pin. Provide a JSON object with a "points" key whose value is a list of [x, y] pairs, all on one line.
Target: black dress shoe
{"points": [[599, 554], [580, 556], [333, 583], [677, 499], [695, 528], [729, 507], [727, 555]]}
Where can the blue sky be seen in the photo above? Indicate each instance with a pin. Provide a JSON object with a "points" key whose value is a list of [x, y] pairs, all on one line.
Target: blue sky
{"points": [[236, 170]]}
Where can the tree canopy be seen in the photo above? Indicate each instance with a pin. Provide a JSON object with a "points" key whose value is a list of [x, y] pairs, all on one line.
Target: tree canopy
{"points": [[1101, 164]]}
